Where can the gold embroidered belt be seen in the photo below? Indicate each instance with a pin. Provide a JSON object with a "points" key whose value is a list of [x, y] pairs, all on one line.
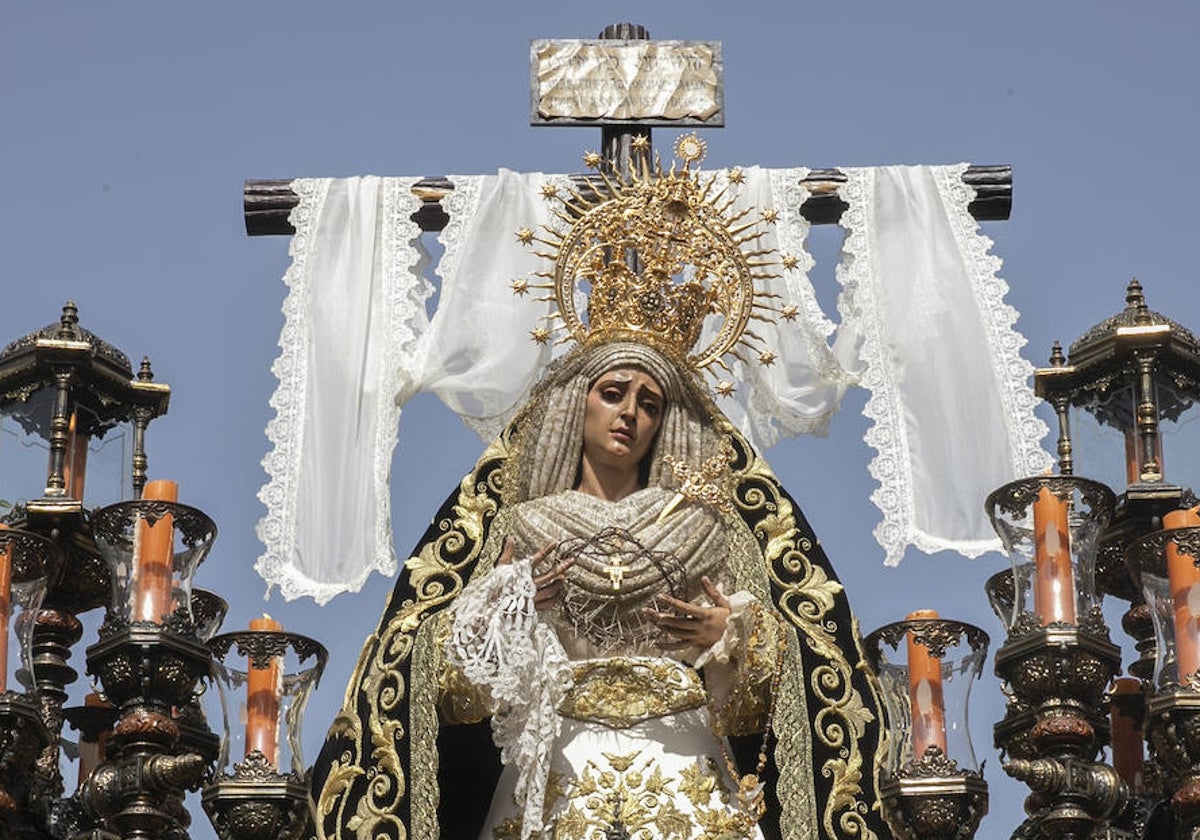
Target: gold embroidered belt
{"points": [[620, 692]]}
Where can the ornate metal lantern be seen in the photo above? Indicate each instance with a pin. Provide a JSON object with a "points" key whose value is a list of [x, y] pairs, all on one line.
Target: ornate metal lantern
{"points": [[1165, 564], [1057, 660], [932, 789], [150, 660], [264, 678], [73, 419], [1135, 374], [73, 397]]}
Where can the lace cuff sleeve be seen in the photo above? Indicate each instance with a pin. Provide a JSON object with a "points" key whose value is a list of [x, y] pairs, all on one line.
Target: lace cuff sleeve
{"points": [[499, 644], [740, 668]]}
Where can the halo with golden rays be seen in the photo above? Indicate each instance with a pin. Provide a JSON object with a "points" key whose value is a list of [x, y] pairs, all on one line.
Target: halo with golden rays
{"points": [[656, 253]]}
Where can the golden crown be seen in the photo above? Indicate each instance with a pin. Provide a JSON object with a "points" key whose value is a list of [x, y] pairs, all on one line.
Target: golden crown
{"points": [[656, 254]]}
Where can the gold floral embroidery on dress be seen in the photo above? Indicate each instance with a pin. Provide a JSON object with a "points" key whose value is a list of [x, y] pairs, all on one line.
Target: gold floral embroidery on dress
{"points": [[620, 692], [625, 796]]}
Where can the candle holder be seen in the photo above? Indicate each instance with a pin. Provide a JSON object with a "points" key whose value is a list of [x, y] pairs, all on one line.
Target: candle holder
{"points": [[153, 549], [1059, 590], [264, 677], [27, 562], [150, 661], [1057, 659], [1165, 564], [932, 788], [73, 415], [74, 398]]}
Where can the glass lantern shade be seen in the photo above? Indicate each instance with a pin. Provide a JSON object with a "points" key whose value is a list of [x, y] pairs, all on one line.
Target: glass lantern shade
{"points": [[1165, 564], [264, 679], [153, 549], [208, 612], [926, 667], [1135, 375], [27, 563], [1049, 525], [1002, 589], [73, 417]]}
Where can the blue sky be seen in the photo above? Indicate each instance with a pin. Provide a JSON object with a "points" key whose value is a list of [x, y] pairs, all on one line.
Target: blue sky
{"points": [[126, 130]]}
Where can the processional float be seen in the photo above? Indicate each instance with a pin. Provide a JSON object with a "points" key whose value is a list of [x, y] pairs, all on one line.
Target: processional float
{"points": [[179, 708]]}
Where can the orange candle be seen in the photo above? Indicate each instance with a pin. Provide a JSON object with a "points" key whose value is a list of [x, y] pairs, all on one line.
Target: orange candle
{"points": [[5, 608], [1184, 579], [75, 465], [264, 688], [925, 694], [1054, 585], [1128, 755], [153, 558]]}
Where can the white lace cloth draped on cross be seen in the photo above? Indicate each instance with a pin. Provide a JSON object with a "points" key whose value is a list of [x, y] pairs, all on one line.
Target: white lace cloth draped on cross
{"points": [[924, 322], [918, 324]]}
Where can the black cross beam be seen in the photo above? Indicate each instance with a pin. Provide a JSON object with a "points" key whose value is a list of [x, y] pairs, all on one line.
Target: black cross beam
{"points": [[266, 204]]}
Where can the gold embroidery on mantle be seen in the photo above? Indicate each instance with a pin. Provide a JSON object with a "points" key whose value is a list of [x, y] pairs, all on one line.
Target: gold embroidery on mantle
{"points": [[436, 575], [620, 692], [807, 598]]}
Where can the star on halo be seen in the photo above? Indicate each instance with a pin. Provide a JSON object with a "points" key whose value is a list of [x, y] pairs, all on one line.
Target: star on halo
{"points": [[789, 312], [790, 261], [726, 388], [549, 191], [771, 215], [592, 160], [520, 286], [640, 142], [737, 176], [766, 358], [525, 236], [540, 335]]}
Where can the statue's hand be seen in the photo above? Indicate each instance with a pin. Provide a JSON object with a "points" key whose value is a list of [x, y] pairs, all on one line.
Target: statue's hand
{"points": [[550, 583], [691, 625]]}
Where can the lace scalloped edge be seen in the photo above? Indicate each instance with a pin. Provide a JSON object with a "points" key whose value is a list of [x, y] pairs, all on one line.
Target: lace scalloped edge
{"points": [[1026, 430], [276, 530], [405, 295], [281, 463], [886, 434]]}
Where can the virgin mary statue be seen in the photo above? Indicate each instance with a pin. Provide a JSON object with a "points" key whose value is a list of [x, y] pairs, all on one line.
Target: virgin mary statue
{"points": [[619, 625]]}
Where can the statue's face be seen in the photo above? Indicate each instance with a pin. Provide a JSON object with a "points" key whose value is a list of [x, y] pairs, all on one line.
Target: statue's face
{"points": [[624, 410]]}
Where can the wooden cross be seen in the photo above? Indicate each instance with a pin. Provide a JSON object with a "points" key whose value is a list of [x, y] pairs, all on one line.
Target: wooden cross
{"points": [[266, 204]]}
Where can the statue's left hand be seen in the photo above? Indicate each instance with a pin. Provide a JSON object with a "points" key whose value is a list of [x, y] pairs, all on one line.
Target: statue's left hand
{"points": [[692, 625]]}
